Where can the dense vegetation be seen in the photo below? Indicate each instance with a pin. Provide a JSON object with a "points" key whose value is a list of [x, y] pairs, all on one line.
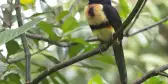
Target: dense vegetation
{"points": [[57, 31]]}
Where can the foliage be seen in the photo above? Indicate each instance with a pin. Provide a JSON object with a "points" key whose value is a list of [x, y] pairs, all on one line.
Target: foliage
{"points": [[65, 22]]}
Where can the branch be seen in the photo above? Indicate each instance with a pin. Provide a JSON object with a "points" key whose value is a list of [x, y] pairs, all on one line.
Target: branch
{"points": [[155, 72], [129, 18], [163, 74], [91, 53], [84, 65], [67, 63], [57, 43], [136, 17], [39, 37], [149, 27], [24, 42]]}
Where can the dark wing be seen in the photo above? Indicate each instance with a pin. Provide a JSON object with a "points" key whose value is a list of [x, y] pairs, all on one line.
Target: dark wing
{"points": [[115, 20], [112, 16]]}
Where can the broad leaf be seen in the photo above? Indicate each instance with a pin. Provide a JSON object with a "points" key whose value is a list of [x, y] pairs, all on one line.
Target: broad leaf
{"points": [[104, 58], [154, 80], [58, 76], [62, 78], [13, 78], [45, 81], [74, 50], [8, 35], [12, 47], [38, 14], [54, 80], [21, 66], [69, 24], [79, 40], [96, 80], [3, 82], [124, 8], [52, 58], [61, 15], [46, 27]]}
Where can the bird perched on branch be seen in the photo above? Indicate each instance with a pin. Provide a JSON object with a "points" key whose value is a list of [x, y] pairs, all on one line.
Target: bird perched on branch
{"points": [[104, 20]]}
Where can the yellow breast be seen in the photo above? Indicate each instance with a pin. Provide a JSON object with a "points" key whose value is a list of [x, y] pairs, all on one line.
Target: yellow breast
{"points": [[99, 15]]}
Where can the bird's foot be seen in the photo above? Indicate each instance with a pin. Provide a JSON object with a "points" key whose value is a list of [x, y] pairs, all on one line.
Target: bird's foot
{"points": [[100, 47]]}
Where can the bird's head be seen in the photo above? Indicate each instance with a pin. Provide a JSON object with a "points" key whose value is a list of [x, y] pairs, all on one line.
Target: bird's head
{"points": [[99, 1]]}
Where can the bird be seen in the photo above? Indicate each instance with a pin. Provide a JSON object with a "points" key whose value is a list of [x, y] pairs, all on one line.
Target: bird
{"points": [[104, 21]]}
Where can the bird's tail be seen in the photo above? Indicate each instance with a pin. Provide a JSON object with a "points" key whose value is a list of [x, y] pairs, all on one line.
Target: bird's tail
{"points": [[120, 61]]}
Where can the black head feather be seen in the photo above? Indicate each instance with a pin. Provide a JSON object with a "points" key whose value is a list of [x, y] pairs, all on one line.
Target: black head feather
{"points": [[100, 2]]}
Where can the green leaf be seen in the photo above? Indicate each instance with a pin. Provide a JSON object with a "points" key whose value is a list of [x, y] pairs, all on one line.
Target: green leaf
{"points": [[58, 76], [14, 78], [12, 47], [62, 78], [10, 34], [45, 81], [11, 66], [21, 66], [3, 82], [79, 40], [40, 69], [104, 58], [40, 59], [54, 80], [74, 50], [96, 80], [37, 68], [124, 8], [69, 24], [154, 80], [90, 47], [54, 37], [17, 56], [46, 27], [38, 14], [52, 58], [61, 15]]}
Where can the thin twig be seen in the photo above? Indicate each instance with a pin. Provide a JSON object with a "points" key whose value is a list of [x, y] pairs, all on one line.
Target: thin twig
{"points": [[57, 43], [148, 27], [39, 37], [88, 67], [91, 53], [151, 73], [129, 18], [163, 74], [24, 42], [135, 19], [22, 58], [84, 65]]}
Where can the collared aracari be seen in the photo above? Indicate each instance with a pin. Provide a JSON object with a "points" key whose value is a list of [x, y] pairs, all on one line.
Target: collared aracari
{"points": [[104, 20]]}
